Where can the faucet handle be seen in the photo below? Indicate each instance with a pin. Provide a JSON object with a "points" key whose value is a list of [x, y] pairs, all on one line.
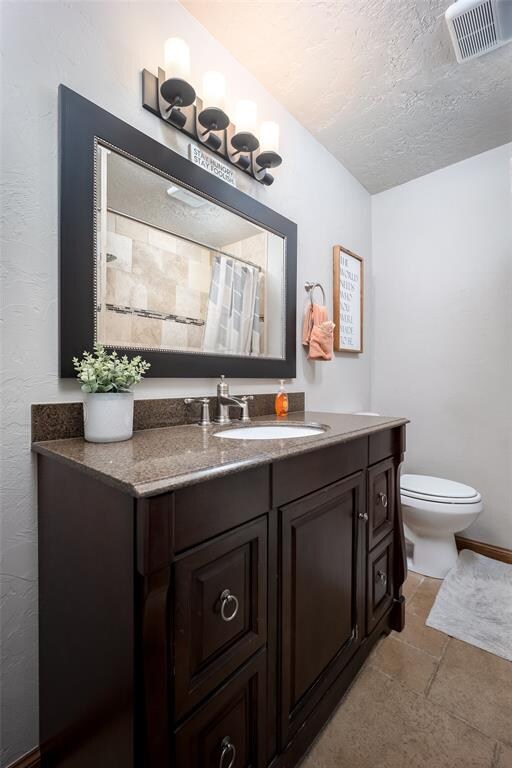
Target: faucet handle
{"points": [[204, 421], [245, 407]]}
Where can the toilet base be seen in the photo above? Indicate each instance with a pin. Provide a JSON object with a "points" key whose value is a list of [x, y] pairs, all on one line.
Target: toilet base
{"points": [[431, 555]]}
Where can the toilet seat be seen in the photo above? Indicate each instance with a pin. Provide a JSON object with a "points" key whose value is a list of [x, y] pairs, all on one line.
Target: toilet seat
{"points": [[437, 490]]}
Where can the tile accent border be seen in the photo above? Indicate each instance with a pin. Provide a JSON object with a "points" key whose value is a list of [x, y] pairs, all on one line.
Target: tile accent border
{"points": [[489, 550], [30, 760], [58, 421]]}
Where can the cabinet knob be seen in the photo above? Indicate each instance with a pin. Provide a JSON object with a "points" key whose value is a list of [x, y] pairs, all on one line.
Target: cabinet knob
{"points": [[228, 752], [381, 576], [363, 516], [227, 599], [382, 499]]}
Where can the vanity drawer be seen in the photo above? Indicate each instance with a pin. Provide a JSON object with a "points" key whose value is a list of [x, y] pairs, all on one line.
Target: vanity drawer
{"points": [[205, 510], [379, 584], [220, 611], [389, 442], [229, 730], [381, 501], [299, 476]]}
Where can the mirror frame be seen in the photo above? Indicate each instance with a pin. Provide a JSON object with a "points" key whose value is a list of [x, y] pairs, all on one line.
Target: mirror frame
{"points": [[81, 125]]}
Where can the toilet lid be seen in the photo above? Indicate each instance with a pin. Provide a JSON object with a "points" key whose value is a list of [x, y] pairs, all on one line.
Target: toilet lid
{"points": [[437, 489]]}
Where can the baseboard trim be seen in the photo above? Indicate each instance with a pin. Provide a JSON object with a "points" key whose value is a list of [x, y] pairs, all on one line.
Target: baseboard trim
{"points": [[30, 760], [497, 553]]}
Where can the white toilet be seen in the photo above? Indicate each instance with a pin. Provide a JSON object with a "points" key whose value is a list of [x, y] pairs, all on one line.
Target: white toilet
{"points": [[433, 510]]}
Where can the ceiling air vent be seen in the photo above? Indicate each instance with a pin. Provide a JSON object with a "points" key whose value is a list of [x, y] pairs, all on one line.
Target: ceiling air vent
{"points": [[477, 27]]}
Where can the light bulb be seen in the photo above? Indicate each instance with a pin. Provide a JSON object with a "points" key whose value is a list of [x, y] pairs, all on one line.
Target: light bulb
{"points": [[214, 90], [246, 115], [177, 58], [269, 137]]}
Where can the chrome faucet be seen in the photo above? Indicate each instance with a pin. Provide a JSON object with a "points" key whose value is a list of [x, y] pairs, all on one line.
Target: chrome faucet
{"points": [[225, 401]]}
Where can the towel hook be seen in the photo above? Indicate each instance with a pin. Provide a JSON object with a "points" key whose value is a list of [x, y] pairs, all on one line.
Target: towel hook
{"points": [[310, 287]]}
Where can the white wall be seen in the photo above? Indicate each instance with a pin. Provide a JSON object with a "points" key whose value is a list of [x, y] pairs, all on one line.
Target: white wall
{"points": [[442, 326], [99, 50]]}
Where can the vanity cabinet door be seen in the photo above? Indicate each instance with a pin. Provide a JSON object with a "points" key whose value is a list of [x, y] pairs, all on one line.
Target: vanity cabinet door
{"points": [[229, 730], [220, 610], [320, 594], [379, 582], [381, 501]]}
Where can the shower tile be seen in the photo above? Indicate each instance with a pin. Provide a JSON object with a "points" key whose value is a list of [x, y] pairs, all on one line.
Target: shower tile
{"points": [[119, 246], [162, 240], [188, 302], [188, 250], [161, 295], [195, 337], [134, 229], [146, 331], [117, 328], [199, 276], [119, 287], [147, 260], [175, 268], [139, 295], [203, 305], [174, 335]]}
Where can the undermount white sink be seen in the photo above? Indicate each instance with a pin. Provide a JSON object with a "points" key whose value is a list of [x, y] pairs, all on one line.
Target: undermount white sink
{"points": [[270, 432]]}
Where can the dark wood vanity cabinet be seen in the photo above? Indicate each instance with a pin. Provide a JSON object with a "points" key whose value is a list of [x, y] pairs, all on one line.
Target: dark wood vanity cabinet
{"points": [[320, 590], [219, 625]]}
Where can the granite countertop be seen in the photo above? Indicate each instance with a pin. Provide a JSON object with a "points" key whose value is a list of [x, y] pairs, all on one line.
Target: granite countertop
{"points": [[159, 460]]}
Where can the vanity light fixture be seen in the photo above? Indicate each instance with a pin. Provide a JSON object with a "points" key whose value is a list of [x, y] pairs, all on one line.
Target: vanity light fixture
{"points": [[176, 90], [269, 157], [171, 97], [212, 117], [243, 142]]}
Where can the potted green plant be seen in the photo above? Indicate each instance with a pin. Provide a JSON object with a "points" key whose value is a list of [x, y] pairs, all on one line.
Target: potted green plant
{"points": [[108, 404]]}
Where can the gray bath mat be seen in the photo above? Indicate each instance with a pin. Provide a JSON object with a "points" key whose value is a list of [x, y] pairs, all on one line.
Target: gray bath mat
{"points": [[474, 604]]}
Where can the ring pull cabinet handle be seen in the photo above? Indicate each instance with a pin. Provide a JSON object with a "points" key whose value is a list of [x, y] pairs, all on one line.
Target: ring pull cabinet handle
{"points": [[382, 499], [228, 605], [381, 576], [227, 749], [363, 516]]}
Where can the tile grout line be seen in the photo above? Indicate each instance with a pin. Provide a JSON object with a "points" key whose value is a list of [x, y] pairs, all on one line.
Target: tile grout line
{"points": [[422, 650], [496, 755], [436, 670]]}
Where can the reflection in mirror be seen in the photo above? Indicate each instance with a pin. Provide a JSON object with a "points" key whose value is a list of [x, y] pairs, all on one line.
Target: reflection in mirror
{"points": [[176, 271]]}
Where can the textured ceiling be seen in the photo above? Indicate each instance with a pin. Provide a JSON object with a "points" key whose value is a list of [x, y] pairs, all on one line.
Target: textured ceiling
{"points": [[375, 81]]}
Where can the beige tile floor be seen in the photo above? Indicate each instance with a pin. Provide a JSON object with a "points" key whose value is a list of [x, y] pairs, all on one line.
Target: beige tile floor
{"points": [[422, 700]]}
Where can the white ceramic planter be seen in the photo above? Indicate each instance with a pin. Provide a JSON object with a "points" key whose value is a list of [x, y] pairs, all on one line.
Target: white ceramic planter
{"points": [[108, 416]]}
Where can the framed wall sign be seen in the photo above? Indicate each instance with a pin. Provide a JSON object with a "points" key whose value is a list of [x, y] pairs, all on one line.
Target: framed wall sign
{"points": [[348, 300]]}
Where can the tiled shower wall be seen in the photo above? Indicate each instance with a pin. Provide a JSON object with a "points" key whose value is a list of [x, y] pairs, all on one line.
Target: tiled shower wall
{"points": [[157, 285]]}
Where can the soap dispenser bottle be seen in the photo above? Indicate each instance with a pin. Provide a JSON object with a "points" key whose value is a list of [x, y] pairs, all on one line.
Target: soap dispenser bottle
{"points": [[281, 400]]}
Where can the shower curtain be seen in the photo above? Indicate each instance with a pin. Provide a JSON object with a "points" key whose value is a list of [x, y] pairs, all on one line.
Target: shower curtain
{"points": [[232, 321]]}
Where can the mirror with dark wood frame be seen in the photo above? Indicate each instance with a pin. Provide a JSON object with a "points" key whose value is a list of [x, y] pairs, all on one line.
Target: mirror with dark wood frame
{"points": [[160, 257]]}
